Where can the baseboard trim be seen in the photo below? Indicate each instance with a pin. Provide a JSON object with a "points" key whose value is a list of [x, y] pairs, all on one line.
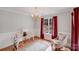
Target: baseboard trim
{"points": [[9, 48]]}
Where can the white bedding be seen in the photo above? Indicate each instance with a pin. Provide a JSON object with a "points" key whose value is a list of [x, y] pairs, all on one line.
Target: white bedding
{"points": [[39, 45]]}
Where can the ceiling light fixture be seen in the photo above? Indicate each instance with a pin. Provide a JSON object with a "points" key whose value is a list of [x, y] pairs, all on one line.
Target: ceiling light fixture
{"points": [[35, 13]]}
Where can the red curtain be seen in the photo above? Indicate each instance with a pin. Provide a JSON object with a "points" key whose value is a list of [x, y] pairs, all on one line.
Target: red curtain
{"points": [[72, 32], [54, 27], [41, 30], [75, 30]]}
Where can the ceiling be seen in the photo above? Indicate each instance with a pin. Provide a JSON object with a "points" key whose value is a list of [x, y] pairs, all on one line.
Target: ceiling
{"points": [[40, 10]]}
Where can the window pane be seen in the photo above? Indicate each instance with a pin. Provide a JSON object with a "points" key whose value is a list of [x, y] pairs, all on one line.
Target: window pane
{"points": [[46, 25], [50, 25]]}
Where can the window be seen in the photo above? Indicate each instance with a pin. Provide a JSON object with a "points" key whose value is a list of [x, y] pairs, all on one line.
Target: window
{"points": [[48, 25]]}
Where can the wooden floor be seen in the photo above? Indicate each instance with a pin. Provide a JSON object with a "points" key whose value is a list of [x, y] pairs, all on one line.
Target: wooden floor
{"points": [[22, 44], [27, 42]]}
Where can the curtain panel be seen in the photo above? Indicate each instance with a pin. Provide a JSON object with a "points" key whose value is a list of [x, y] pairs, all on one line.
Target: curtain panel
{"points": [[54, 27], [75, 30], [41, 29]]}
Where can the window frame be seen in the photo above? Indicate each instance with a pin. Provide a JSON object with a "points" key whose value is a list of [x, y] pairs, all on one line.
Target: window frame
{"points": [[49, 31]]}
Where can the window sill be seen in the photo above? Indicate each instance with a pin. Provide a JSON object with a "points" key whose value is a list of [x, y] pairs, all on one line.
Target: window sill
{"points": [[48, 33]]}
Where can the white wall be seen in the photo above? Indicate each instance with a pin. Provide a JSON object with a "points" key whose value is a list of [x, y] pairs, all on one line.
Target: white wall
{"points": [[64, 22], [10, 21], [37, 28]]}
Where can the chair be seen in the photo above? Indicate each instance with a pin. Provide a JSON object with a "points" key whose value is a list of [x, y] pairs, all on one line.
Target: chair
{"points": [[62, 41]]}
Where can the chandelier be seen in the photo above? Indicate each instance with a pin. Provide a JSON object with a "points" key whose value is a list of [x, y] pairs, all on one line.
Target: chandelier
{"points": [[35, 13]]}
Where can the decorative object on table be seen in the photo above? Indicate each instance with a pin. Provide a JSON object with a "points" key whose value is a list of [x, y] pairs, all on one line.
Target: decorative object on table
{"points": [[29, 34], [24, 34]]}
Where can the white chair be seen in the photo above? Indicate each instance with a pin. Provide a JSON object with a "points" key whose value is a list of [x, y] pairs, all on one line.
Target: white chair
{"points": [[56, 42], [20, 37], [65, 39], [62, 41], [17, 40]]}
